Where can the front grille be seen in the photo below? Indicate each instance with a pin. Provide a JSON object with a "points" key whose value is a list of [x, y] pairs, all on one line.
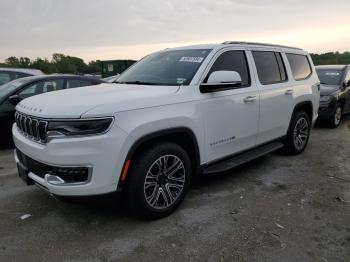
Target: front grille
{"points": [[68, 174], [31, 127]]}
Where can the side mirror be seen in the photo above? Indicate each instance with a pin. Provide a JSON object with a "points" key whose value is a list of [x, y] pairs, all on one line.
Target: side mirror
{"points": [[221, 80], [345, 85], [14, 100]]}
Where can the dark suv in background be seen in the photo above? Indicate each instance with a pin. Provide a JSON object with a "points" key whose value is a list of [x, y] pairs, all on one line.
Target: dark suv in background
{"points": [[335, 93]]}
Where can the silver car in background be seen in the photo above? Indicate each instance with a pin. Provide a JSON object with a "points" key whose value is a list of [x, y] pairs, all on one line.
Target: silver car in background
{"points": [[8, 74]]}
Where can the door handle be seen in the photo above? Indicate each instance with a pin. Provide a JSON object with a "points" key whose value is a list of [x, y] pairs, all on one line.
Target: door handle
{"points": [[289, 92], [249, 99]]}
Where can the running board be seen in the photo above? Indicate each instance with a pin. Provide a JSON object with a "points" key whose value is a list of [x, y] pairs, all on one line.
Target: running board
{"points": [[240, 159]]}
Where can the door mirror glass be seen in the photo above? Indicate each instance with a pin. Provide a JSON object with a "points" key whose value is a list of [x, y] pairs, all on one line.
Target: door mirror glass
{"points": [[221, 80], [14, 100]]}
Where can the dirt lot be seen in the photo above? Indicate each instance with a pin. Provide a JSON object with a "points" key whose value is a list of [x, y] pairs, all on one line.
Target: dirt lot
{"points": [[277, 208]]}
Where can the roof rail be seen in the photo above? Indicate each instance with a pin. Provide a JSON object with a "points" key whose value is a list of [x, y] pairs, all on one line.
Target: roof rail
{"points": [[259, 44]]}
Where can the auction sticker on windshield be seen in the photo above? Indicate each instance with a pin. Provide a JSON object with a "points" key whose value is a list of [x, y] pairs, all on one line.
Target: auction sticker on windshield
{"points": [[190, 59]]}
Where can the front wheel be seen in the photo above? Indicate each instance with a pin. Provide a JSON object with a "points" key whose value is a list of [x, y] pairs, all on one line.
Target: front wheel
{"points": [[158, 180], [337, 116], [298, 133]]}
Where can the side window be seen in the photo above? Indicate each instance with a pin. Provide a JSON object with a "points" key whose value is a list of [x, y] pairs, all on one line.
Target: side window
{"points": [[72, 83], [232, 61], [19, 75], [300, 66], [270, 67], [41, 87], [4, 78]]}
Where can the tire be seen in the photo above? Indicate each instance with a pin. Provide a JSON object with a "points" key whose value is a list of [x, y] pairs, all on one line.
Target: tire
{"points": [[298, 133], [153, 192], [336, 119]]}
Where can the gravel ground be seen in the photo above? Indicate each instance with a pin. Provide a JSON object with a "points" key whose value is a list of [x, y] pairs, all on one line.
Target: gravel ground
{"points": [[277, 208]]}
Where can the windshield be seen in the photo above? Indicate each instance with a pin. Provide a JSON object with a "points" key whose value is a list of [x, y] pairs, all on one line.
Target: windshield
{"points": [[174, 67], [329, 76], [7, 88]]}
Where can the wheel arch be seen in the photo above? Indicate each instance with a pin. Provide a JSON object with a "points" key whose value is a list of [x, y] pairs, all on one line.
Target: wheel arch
{"points": [[342, 102], [306, 106], [182, 136]]}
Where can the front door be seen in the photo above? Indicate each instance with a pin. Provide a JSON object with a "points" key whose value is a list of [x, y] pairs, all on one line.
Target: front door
{"points": [[231, 116]]}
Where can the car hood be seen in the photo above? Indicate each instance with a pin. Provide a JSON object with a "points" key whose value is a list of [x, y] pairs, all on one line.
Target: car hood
{"points": [[109, 98], [328, 89]]}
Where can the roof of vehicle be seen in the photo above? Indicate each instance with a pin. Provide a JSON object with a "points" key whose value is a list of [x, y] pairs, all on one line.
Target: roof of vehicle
{"points": [[22, 70], [339, 67], [240, 43]]}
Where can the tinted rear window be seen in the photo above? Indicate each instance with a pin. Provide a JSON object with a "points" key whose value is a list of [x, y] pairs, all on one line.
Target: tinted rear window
{"points": [[300, 66], [270, 67]]}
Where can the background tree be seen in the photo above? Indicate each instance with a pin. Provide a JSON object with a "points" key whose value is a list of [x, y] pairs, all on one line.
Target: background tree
{"points": [[94, 66], [24, 62], [12, 61], [331, 58], [44, 65]]}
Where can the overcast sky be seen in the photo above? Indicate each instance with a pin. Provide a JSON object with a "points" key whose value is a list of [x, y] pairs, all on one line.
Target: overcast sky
{"points": [[113, 29]]}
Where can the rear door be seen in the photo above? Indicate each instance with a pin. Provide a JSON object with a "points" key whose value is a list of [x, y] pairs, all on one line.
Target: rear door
{"points": [[276, 94]]}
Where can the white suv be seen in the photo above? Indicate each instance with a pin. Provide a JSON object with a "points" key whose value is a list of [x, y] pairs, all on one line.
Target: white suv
{"points": [[175, 114]]}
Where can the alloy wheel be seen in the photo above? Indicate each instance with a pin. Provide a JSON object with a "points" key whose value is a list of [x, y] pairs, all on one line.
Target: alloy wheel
{"points": [[337, 116], [301, 133], [164, 181]]}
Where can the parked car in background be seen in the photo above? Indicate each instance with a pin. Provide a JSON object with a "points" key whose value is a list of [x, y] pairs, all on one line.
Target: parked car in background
{"points": [[335, 93], [14, 91], [96, 75], [10, 74], [111, 79], [175, 114]]}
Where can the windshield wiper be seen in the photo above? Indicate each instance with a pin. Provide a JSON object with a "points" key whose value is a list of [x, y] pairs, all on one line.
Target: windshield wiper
{"points": [[136, 83]]}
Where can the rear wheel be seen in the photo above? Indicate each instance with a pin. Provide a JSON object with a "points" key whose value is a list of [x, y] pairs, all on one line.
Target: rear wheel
{"points": [[337, 117], [158, 180], [298, 133]]}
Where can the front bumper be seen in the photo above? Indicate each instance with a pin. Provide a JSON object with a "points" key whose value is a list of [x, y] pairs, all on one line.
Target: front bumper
{"points": [[100, 154]]}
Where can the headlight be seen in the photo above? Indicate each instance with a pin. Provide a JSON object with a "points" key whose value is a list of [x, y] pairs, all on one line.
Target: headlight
{"points": [[325, 98], [78, 127]]}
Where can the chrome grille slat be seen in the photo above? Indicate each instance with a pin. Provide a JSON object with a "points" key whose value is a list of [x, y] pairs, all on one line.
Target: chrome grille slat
{"points": [[35, 126], [21, 123], [31, 127]]}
